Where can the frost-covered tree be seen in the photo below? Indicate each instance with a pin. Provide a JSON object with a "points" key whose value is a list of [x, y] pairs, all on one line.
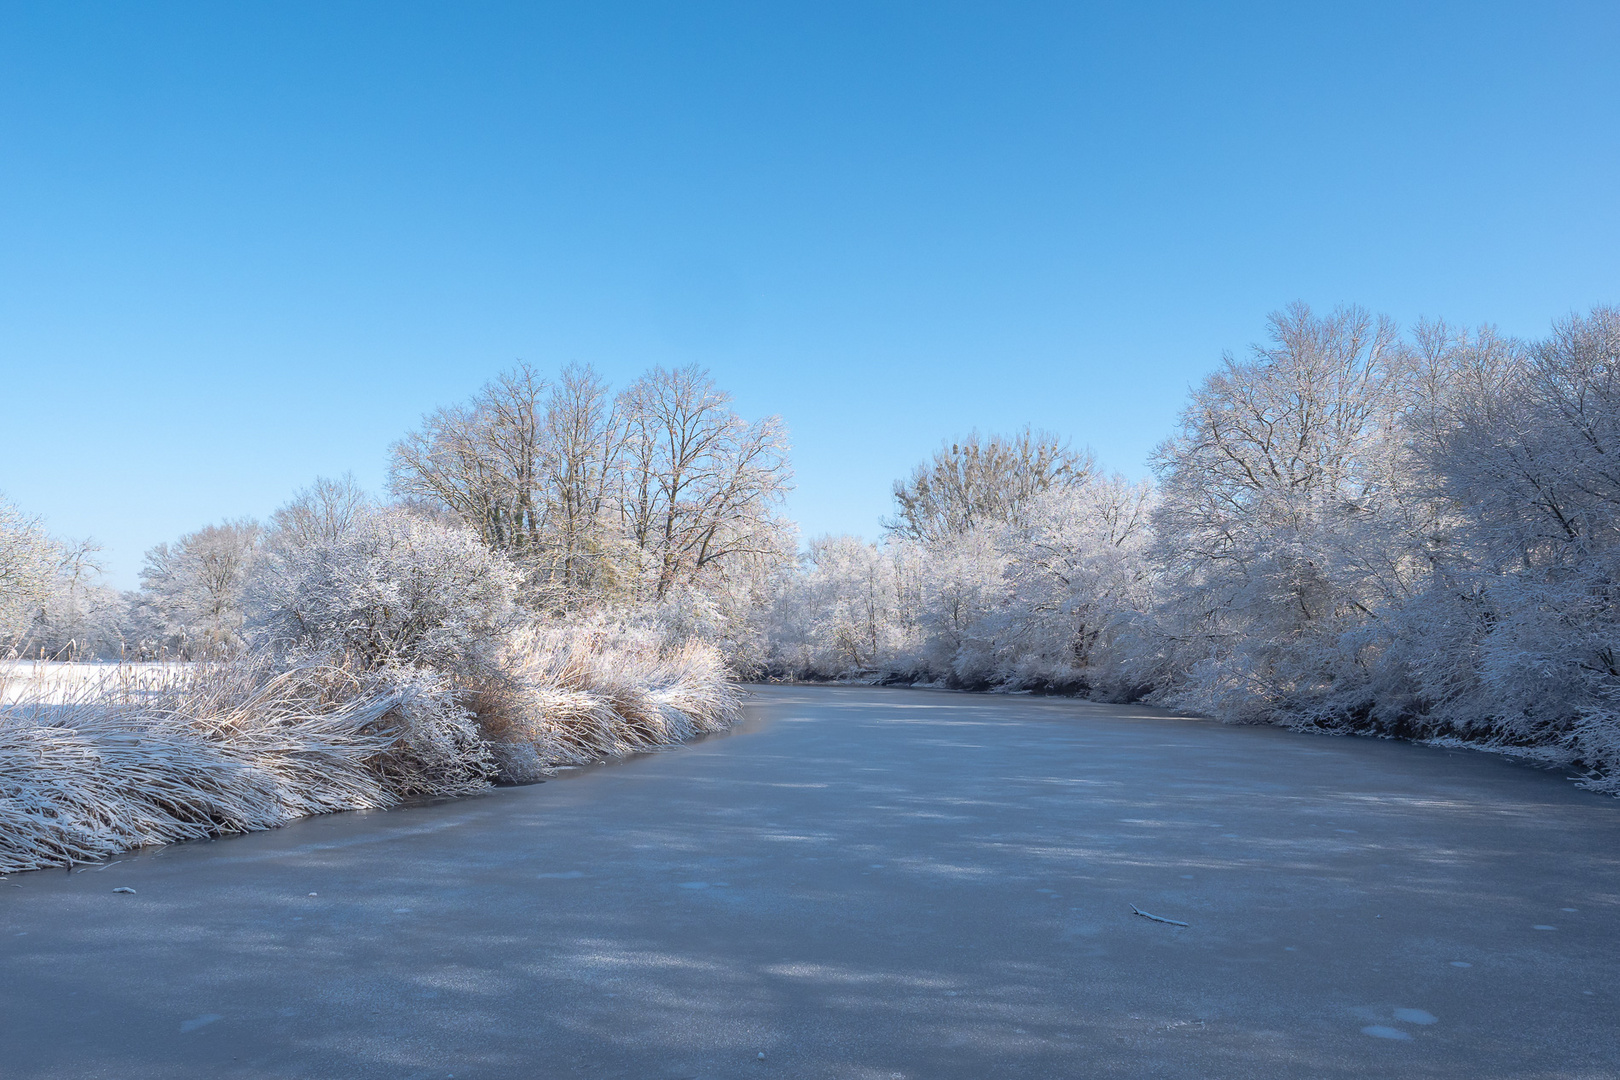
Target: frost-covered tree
{"points": [[1417, 536], [1275, 495], [1028, 587], [482, 461], [1519, 634], [852, 611], [531, 466], [979, 481], [191, 600], [588, 556], [77, 617], [701, 484], [1080, 583], [28, 562], [321, 512], [965, 594]]}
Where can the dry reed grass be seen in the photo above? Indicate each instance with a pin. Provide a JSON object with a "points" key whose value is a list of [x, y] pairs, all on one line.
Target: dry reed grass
{"points": [[37, 680], [127, 758], [570, 695], [105, 758]]}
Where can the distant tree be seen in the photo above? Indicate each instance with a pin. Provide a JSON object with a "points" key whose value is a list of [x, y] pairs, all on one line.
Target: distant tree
{"points": [[192, 597], [854, 609], [28, 567], [78, 617], [984, 481], [321, 512]]}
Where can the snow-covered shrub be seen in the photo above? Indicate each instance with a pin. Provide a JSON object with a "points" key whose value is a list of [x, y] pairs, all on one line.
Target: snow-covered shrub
{"points": [[390, 588], [437, 746]]}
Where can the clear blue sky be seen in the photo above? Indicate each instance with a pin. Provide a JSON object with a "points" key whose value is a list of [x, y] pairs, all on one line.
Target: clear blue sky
{"points": [[245, 244]]}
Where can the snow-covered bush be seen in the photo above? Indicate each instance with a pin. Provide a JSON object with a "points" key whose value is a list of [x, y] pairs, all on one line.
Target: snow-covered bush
{"points": [[391, 588], [425, 599]]}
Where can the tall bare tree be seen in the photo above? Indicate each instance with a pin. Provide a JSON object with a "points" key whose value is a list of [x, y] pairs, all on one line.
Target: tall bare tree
{"points": [[981, 480], [701, 483], [584, 443], [602, 497], [482, 461]]}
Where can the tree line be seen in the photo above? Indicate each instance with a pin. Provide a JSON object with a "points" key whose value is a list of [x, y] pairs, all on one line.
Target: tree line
{"points": [[1349, 528], [659, 502]]}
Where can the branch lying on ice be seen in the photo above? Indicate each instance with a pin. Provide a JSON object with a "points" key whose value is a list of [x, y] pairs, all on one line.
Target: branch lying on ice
{"points": [[1156, 918]]}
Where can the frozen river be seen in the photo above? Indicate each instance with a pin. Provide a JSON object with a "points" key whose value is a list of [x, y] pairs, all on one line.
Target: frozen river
{"points": [[866, 883]]}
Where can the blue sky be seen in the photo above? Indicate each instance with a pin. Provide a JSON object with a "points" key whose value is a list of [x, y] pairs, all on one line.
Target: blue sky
{"points": [[244, 245]]}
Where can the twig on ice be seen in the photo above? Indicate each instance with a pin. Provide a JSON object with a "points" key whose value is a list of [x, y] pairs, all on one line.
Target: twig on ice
{"points": [[1157, 918], [97, 869]]}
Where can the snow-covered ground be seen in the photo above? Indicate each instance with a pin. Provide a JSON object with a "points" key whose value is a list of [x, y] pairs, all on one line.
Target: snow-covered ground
{"points": [[54, 682]]}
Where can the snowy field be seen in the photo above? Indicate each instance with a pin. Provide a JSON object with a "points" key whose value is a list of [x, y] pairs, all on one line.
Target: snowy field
{"points": [[55, 683]]}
